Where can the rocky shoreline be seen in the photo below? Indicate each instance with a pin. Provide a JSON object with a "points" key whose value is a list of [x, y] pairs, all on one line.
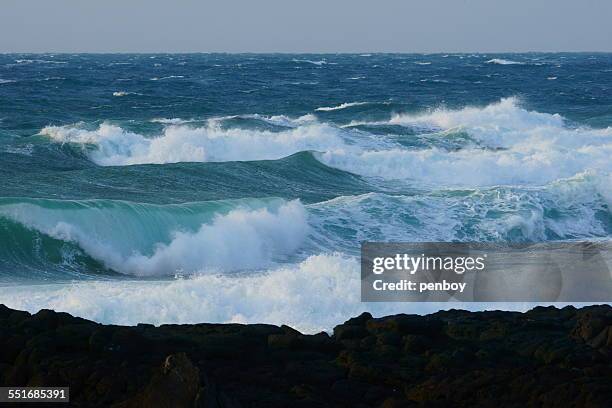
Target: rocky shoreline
{"points": [[546, 357]]}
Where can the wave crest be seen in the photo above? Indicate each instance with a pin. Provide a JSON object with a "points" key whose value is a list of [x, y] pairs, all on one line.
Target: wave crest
{"points": [[116, 146], [340, 107], [501, 61], [505, 144], [513, 146], [147, 240]]}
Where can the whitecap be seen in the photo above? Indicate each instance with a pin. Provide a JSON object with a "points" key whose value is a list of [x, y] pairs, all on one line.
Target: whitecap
{"points": [[319, 62], [116, 146], [341, 106], [500, 61], [167, 77], [514, 146]]}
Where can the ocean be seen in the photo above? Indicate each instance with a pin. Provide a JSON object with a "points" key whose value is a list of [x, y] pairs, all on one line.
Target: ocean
{"points": [[170, 188]]}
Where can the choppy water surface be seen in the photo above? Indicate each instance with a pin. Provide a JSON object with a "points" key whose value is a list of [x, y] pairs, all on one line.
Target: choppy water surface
{"points": [[184, 188]]}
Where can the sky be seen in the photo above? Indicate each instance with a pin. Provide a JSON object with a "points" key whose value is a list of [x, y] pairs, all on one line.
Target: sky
{"points": [[305, 26]]}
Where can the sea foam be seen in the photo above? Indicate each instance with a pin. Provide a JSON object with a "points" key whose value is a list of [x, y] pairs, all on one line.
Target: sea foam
{"points": [[574, 208], [314, 295]]}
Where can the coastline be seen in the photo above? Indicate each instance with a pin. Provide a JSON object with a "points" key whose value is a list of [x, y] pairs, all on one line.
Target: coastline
{"points": [[543, 357]]}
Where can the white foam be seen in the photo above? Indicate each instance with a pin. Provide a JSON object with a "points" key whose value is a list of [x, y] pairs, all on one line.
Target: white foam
{"points": [[116, 146], [315, 295], [500, 61], [277, 120], [341, 106], [167, 77], [520, 147], [319, 62], [511, 145], [125, 93], [237, 241], [506, 114], [484, 215], [172, 121], [603, 184], [39, 61]]}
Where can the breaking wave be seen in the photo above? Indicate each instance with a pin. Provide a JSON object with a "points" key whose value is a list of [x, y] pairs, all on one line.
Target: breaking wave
{"points": [[229, 236], [575, 208], [512, 145], [506, 144], [116, 146], [152, 240]]}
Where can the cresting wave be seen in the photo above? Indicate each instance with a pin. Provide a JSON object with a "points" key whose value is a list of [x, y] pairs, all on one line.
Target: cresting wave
{"points": [[507, 145], [512, 146], [223, 237], [340, 107], [116, 146], [159, 205], [147, 240]]}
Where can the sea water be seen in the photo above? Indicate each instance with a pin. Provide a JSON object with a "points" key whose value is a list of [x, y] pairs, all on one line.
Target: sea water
{"points": [[174, 188]]}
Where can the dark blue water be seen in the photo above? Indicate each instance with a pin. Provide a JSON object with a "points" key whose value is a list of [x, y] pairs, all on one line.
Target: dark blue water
{"points": [[147, 170]]}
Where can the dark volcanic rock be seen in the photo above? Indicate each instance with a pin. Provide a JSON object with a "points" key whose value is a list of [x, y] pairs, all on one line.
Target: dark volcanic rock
{"points": [[546, 357], [175, 384]]}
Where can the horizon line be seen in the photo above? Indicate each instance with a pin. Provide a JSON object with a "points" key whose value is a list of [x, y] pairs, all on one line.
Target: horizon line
{"points": [[309, 52]]}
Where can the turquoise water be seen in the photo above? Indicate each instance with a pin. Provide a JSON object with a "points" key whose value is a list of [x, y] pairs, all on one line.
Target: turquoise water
{"points": [[131, 181]]}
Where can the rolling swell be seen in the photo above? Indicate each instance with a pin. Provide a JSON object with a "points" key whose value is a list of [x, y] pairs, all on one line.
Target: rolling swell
{"points": [[140, 239], [297, 176], [145, 239]]}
